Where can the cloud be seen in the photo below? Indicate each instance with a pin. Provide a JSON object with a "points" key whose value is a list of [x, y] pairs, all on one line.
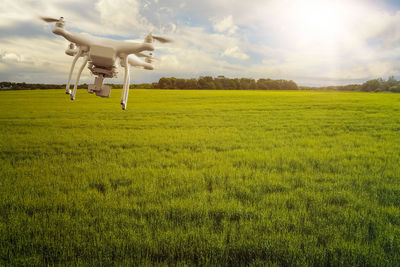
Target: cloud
{"points": [[188, 57], [225, 25], [12, 57], [122, 15], [235, 52], [350, 40], [39, 60]]}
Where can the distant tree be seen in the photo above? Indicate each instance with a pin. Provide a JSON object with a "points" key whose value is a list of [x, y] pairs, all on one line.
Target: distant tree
{"points": [[180, 83], [218, 83], [5, 85], [282, 85], [247, 84], [83, 86], [290, 85], [269, 84], [191, 84], [116, 86], [143, 86], [229, 84], [395, 88], [173, 83], [221, 82], [371, 85], [236, 83], [351, 87], [263, 84], [206, 82], [164, 83], [391, 81]]}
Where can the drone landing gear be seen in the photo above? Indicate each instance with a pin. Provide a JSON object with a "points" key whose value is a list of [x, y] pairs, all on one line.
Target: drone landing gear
{"points": [[127, 81], [78, 77], [67, 88]]}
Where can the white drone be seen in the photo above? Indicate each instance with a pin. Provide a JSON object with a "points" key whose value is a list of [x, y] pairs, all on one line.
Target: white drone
{"points": [[104, 55]]}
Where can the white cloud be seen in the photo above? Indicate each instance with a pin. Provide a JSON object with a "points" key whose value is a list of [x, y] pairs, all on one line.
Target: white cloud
{"points": [[123, 15], [39, 60], [350, 39], [235, 52], [225, 25], [189, 57], [12, 57]]}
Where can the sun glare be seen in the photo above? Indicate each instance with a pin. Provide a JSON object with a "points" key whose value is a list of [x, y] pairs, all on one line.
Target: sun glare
{"points": [[321, 21]]}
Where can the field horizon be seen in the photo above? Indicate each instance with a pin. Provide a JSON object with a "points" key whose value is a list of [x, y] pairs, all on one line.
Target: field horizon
{"points": [[200, 177]]}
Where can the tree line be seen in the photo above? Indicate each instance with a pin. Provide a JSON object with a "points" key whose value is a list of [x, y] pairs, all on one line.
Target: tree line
{"points": [[35, 86], [223, 83], [204, 82], [375, 85]]}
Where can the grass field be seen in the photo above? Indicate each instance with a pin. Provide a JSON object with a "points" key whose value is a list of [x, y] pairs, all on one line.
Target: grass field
{"points": [[200, 177]]}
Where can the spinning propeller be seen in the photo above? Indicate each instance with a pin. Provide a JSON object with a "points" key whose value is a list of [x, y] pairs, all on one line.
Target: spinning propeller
{"points": [[148, 58], [50, 20], [59, 22], [151, 37]]}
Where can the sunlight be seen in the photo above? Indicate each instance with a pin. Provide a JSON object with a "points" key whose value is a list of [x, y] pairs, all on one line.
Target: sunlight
{"points": [[318, 31], [321, 19], [323, 22]]}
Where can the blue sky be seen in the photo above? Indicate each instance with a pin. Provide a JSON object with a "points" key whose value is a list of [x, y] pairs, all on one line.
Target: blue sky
{"points": [[313, 42]]}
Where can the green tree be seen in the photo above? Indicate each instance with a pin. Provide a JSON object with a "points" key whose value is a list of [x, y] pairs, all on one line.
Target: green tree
{"points": [[247, 84], [164, 83], [180, 83], [391, 81], [191, 84], [206, 82], [371, 85], [263, 84], [229, 84], [395, 88], [290, 85]]}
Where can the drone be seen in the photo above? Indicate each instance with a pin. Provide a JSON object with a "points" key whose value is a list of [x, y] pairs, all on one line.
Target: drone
{"points": [[103, 56]]}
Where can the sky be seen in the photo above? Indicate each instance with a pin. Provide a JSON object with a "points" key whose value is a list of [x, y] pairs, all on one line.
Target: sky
{"points": [[313, 42]]}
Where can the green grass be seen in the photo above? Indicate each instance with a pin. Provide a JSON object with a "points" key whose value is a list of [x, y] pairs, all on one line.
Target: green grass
{"points": [[200, 177]]}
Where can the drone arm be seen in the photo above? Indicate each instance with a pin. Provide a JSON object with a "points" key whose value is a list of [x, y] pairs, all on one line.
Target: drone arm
{"points": [[72, 37], [132, 48], [137, 62], [78, 77], [67, 90]]}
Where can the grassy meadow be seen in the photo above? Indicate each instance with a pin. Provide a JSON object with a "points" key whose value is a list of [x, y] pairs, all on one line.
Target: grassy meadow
{"points": [[200, 178]]}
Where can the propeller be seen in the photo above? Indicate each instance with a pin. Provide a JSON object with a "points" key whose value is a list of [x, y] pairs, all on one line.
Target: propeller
{"points": [[140, 54], [148, 58], [50, 20], [149, 39], [162, 39]]}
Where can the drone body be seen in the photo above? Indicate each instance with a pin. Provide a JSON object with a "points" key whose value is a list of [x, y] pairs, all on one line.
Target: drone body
{"points": [[103, 56]]}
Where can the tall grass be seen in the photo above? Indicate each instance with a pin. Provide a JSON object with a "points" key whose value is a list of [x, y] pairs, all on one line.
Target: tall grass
{"points": [[200, 177]]}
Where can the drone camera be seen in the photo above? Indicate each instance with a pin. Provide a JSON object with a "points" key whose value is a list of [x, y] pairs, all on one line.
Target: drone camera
{"points": [[105, 91], [98, 87]]}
